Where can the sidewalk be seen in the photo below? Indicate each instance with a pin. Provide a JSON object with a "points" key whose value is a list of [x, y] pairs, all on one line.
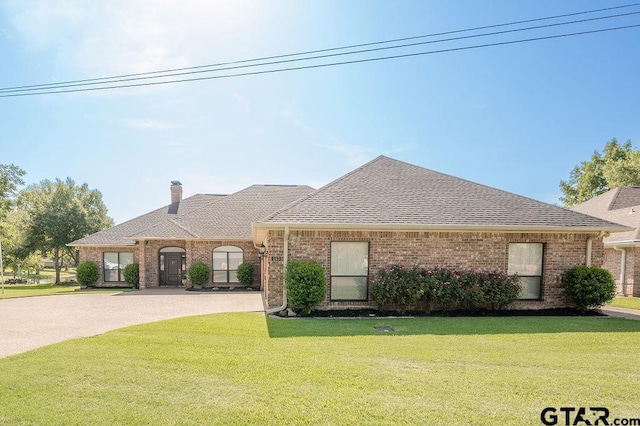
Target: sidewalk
{"points": [[612, 311]]}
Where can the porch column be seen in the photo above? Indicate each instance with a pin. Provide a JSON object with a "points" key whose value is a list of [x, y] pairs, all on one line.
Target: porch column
{"points": [[142, 263]]}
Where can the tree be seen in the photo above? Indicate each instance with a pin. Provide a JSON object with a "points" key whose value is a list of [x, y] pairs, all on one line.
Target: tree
{"points": [[60, 212], [618, 165], [10, 180]]}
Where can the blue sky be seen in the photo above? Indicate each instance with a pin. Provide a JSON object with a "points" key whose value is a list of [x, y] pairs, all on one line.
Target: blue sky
{"points": [[515, 117]]}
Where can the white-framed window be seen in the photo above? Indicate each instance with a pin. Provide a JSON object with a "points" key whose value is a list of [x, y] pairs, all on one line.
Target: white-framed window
{"points": [[525, 259], [114, 263], [349, 270], [225, 264]]}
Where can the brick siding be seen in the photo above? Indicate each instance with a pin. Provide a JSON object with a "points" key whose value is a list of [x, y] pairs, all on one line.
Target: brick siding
{"points": [[465, 250], [147, 255], [613, 262]]}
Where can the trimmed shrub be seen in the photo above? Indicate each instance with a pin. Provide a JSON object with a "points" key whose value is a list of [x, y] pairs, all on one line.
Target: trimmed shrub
{"points": [[245, 273], [306, 285], [87, 273], [199, 273], [589, 286], [132, 274]]}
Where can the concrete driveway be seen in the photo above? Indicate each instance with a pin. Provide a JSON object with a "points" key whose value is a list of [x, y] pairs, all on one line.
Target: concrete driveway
{"points": [[31, 322]]}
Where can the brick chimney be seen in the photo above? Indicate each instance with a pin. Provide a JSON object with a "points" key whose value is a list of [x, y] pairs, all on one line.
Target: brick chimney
{"points": [[176, 191]]}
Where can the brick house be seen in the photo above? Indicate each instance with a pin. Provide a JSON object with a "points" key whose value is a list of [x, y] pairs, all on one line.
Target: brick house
{"points": [[621, 249], [385, 212]]}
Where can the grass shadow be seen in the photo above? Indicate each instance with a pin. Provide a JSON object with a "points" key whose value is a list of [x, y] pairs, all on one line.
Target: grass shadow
{"points": [[332, 327]]}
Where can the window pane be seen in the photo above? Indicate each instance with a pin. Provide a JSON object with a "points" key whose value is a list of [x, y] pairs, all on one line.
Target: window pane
{"points": [[235, 259], [111, 261], [349, 258], [233, 276], [162, 262], [125, 259], [111, 275], [525, 259], [220, 260], [348, 288], [232, 249], [530, 288], [219, 276]]}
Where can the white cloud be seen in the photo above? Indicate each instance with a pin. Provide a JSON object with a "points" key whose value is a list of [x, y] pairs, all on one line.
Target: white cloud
{"points": [[243, 102], [149, 124], [101, 38]]}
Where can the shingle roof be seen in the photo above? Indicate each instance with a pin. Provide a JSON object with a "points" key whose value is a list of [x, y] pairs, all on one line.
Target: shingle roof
{"points": [[202, 216], [620, 205], [229, 218], [388, 192], [118, 234]]}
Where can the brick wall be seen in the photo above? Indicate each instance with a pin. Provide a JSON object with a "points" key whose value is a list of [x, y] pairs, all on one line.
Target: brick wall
{"points": [[468, 250], [95, 255], [613, 262], [146, 254]]}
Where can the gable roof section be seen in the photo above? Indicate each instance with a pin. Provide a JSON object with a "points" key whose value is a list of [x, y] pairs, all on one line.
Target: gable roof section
{"points": [[620, 205], [118, 235], [387, 193], [228, 218]]}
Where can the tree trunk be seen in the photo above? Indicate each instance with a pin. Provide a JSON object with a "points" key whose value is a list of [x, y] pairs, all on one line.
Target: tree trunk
{"points": [[56, 263]]}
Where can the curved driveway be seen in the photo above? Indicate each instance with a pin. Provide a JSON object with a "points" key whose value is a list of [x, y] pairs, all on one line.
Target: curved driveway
{"points": [[31, 322]]}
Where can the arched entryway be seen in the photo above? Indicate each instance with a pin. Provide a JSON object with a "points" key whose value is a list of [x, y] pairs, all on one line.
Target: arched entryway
{"points": [[172, 263]]}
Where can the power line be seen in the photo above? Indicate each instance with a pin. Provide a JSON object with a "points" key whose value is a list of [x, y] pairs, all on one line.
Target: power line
{"points": [[117, 78], [279, 62], [407, 55]]}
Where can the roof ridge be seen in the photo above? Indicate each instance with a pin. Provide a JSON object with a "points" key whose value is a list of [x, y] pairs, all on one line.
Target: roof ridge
{"points": [[614, 198], [323, 188]]}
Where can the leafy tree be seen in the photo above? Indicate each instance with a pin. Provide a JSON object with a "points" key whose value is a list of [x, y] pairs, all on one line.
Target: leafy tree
{"points": [[60, 212], [618, 165], [10, 180]]}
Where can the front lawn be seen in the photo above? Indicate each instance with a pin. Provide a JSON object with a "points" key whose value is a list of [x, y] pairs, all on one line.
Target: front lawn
{"points": [[626, 302], [248, 369], [27, 290]]}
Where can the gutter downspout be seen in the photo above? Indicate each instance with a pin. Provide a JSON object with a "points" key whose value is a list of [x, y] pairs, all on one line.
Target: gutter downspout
{"points": [[623, 267], [589, 246], [285, 261]]}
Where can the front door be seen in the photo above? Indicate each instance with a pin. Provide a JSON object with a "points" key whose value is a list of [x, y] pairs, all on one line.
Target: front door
{"points": [[172, 269]]}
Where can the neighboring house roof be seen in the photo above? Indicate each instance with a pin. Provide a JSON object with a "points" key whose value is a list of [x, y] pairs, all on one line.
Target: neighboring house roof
{"points": [[387, 193], [620, 205], [202, 216]]}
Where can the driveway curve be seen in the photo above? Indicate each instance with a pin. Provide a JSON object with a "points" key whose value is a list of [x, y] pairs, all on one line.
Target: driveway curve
{"points": [[32, 322]]}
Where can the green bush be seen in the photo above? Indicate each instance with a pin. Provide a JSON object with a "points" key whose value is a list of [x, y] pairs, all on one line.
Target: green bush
{"points": [[199, 273], [132, 274], [306, 285], [589, 287], [245, 273], [399, 288], [87, 273]]}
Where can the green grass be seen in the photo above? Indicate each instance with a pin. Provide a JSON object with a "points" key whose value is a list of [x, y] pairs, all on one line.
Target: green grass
{"points": [[248, 369], [626, 302], [12, 291]]}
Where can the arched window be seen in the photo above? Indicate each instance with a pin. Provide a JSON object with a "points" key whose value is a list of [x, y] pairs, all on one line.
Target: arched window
{"points": [[172, 265], [225, 264]]}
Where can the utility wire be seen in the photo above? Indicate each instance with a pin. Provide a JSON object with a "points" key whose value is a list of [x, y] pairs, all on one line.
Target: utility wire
{"points": [[178, 74], [407, 55], [118, 78]]}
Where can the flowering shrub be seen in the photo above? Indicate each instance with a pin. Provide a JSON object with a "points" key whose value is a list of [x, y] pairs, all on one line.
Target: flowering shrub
{"points": [[399, 288]]}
